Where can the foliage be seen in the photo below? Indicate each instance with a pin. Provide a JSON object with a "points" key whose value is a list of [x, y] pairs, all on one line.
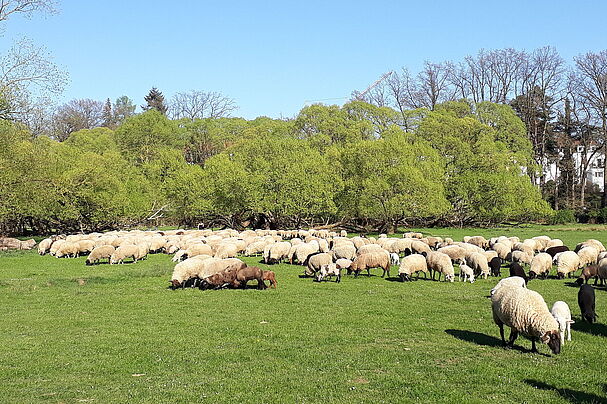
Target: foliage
{"points": [[563, 216]]}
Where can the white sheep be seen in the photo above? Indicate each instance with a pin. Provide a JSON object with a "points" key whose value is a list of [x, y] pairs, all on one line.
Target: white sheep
{"points": [[466, 272], [588, 256], [276, 252], [525, 312], [568, 262], [512, 281], [411, 264], [45, 246], [98, 253], [123, 252], [541, 265], [478, 262], [441, 263], [561, 313], [329, 270], [394, 259]]}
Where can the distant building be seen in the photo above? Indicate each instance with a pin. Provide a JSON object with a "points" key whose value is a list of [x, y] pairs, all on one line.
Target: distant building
{"points": [[594, 172]]}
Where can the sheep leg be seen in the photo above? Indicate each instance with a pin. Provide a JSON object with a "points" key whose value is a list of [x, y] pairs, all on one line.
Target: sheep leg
{"points": [[402, 277], [513, 337], [369, 272], [501, 326], [533, 347]]}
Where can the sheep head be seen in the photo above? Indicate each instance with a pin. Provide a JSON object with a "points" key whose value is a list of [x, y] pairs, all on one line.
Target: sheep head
{"points": [[553, 339]]}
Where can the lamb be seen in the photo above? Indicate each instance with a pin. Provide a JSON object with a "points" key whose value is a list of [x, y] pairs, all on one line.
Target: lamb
{"points": [[45, 246], [591, 271], [376, 259], [496, 266], [124, 252], [541, 265], [329, 270], [525, 312], [270, 276], [276, 252], [586, 301], [517, 270], [316, 261], [478, 262], [467, 272], [568, 263], [411, 264], [394, 259], [247, 273], [441, 263], [98, 253], [561, 313], [510, 282]]}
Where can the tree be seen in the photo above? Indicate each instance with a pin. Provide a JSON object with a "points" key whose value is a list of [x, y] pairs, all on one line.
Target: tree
{"points": [[107, 115], [201, 104], [155, 100], [123, 108], [76, 115], [26, 7]]}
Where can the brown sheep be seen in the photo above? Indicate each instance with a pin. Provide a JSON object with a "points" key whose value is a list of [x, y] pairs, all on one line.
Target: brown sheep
{"points": [[379, 259], [245, 274], [270, 276]]}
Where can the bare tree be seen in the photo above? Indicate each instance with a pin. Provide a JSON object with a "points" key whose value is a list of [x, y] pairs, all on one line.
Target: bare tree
{"points": [[25, 7], [590, 78], [201, 104], [77, 115]]}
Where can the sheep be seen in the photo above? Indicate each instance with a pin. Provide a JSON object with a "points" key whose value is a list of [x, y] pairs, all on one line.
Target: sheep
{"points": [[490, 254], [124, 252], [67, 249], [369, 248], [554, 243], [419, 247], [517, 270], [510, 282], [343, 233], [568, 263], [495, 265], [343, 263], [376, 259], [602, 271], [413, 235], [193, 250], [591, 271], [561, 313], [556, 250], [98, 253], [588, 256], [586, 301], [441, 263], [524, 248], [521, 257], [344, 251], [227, 250], [466, 272], [394, 259], [142, 251], [276, 252], [329, 270], [414, 263], [270, 276], [478, 262], [434, 241], [316, 261], [246, 273], [525, 312], [478, 241], [456, 253], [540, 266], [301, 252], [45, 246], [590, 243]]}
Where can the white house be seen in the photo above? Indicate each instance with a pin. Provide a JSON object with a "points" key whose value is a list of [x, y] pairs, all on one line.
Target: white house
{"points": [[594, 173]]}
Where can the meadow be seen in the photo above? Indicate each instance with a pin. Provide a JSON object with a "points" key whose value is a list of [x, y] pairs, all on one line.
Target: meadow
{"points": [[104, 334]]}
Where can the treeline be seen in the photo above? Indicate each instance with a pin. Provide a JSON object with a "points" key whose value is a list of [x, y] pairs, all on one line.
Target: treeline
{"points": [[361, 166]]}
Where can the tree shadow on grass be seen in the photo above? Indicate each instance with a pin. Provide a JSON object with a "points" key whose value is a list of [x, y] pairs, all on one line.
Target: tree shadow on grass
{"points": [[593, 329], [574, 396]]}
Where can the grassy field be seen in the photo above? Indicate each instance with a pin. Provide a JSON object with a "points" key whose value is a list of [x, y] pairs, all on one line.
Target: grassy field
{"points": [[115, 334]]}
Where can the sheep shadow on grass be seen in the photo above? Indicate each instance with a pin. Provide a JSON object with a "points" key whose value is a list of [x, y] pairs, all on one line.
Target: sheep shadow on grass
{"points": [[593, 329], [413, 279], [574, 396], [481, 339]]}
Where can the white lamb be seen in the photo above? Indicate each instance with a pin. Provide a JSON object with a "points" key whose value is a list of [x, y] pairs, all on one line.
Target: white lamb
{"points": [[561, 313], [467, 272]]}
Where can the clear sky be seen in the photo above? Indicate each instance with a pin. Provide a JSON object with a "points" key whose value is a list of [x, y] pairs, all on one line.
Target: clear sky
{"points": [[272, 56]]}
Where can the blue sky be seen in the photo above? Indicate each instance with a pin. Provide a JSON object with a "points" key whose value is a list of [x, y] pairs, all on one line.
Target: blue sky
{"points": [[272, 56]]}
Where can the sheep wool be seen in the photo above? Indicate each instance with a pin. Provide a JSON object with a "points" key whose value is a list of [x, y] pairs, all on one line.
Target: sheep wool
{"points": [[510, 282], [124, 252], [456, 253], [316, 261], [411, 264], [588, 256], [568, 262], [561, 313], [45, 246], [502, 250], [344, 251], [442, 264], [375, 259], [478, 262], [98, 253], [541, 264]]}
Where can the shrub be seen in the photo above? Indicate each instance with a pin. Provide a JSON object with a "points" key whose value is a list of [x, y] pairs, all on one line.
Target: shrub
{"points": [[563, 216]]}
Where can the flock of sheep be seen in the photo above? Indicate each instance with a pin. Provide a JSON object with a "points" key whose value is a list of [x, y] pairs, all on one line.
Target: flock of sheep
{"points": [[209, 259]]}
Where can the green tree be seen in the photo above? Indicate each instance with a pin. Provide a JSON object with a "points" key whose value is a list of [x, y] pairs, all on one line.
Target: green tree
{"points": [[155, 100], [123, 108]]}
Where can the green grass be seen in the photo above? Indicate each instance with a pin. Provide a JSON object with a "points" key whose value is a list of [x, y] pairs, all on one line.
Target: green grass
{"points": [[114, 334]]}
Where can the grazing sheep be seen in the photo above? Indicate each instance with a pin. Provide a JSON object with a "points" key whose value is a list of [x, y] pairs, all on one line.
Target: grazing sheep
{"points": [[586, 301], [478, 241], [98, 253], [124, 252], [554, 243], [394, 259], [228, 250], [556, 250], [376, 259], [45, 246], [588, 256], [419, 247], [301, 252], [525, 312], [329, 270], [245, 274], [590, 243], [478, 262], [270, 276], [343, 263], [85, 246], [67, 249], [198, 249], [568, 262], [510, 282], [541, 265], [369, 248], [456, 253], [521, 257], [561, 313], [276, 252], [466, 272], [316, 261], [517, 270], [495, 265], [414, 263], [441, 263], [591, 271], [602, 271], [490, 254], [344, 251]]}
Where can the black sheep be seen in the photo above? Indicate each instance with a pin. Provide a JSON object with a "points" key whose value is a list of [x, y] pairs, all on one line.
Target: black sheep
{"points": [[495, 264], [558, 249], [517, 270], [585, 298]]}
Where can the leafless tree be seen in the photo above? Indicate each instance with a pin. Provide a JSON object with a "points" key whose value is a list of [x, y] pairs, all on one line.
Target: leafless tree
{"points": [[590, 78], [77, 115], [25, 7], [201, 104]]}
